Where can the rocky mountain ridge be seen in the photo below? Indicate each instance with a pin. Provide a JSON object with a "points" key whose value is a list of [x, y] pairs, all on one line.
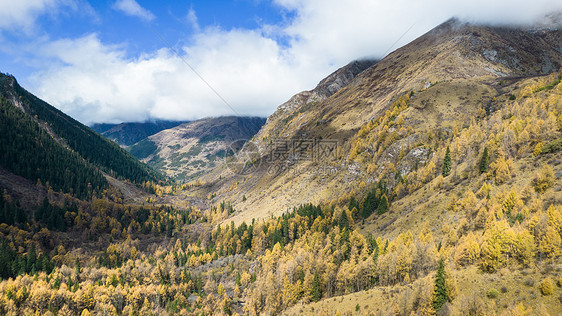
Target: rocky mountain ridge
{"points": [[433, 85]]}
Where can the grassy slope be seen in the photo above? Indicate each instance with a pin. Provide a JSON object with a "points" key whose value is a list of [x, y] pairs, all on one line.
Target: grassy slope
{"points": [[448, 68], [429, 206], [520, 286]]}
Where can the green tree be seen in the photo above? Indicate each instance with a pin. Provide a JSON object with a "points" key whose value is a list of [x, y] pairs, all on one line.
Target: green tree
{"points": [[447, 163], [484, 161], [77, 267], [440, 294], [383, 204], [316, 288]]}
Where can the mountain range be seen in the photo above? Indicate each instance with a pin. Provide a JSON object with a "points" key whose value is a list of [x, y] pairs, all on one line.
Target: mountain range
{"points": [[389, 118], [130, 133], [424, 183], [192, 149]]}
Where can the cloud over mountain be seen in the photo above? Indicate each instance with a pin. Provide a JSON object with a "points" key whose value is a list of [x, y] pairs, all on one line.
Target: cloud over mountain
{"points": [[254, 70]]}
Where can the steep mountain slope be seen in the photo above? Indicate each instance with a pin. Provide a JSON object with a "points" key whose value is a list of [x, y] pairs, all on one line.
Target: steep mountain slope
{"points": [[192, 149], [494, 214], [127, 134], [384, 121], [28, 150], [41, 143], [308, 100]]}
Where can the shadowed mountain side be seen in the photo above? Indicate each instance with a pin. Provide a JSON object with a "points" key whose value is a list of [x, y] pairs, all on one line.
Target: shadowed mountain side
{"points": [[127, 134]]}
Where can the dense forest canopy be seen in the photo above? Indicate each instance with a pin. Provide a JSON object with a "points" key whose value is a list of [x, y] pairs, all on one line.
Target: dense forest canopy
{"points": [[59, 133]]}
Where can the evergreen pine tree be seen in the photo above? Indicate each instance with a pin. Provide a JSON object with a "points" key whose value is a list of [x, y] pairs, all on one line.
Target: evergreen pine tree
{"points": [[316, 289], [344, 222], [383, 204], [375, 253], [484, 161], [440, 296], [353, 203], [447, 163], [368, 205]]}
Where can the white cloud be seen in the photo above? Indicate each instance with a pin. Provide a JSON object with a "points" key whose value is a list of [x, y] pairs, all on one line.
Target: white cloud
{"points": [[350, 29], [22, 14], [132, 8], [95, 82], [191, 18]]}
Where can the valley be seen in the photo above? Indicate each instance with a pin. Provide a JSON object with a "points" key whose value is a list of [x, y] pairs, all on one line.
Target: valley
{"points": [[425, 183]]}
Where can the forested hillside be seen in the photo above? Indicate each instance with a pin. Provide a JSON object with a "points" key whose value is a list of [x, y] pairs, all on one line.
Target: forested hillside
{"points": [[483, 238], [42, 143], [28, 150]]}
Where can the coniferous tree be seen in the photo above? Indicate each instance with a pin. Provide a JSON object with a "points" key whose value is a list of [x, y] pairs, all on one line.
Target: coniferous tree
{"points": [[316, 288], [447, 163], [440, 295], [383, 204], [484, 161], [369, 204], [344, 221]]}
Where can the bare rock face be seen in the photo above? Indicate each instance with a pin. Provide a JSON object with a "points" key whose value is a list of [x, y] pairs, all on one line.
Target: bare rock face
{"points": [[8, 93], [341, 78], [325, 88], [295, 102], [304, 100]]}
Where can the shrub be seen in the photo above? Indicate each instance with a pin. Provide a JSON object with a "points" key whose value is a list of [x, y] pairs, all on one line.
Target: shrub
{"points": [[544, 179], [547, 286], [538, 149], [493, 293], [553, 146]]}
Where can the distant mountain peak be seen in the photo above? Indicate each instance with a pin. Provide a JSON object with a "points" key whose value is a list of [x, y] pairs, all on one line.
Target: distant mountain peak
{"points": [[192, 149], [129, 133]]}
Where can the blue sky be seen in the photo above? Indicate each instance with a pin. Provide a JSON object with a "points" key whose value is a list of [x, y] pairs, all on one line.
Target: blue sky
{"points": [[133, 60], [115, 27]]}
